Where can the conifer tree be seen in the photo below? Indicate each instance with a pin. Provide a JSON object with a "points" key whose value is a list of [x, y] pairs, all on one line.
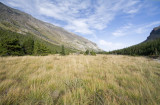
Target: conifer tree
{"points": [[63, 51], [87, 52]]}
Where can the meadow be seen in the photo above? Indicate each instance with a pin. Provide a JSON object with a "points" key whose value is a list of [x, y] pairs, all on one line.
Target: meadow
{"points": [[79, 80]]}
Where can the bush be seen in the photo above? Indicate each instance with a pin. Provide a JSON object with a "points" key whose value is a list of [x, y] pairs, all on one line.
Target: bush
{"points": [[93, 53], [90, 53]]}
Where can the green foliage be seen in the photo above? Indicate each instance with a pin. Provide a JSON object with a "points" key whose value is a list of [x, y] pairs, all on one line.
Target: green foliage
{"points": [[12, 43], [40, 49], [93, 53], [11, 47], [81, 52], [102, 52], [90, 53], [63, 51], [87, 52], [150, 48], [7, 24], [28, 46]]}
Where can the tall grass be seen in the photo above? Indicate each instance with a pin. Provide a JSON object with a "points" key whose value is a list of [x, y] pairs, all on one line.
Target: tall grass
{"points": [[79, 80]]}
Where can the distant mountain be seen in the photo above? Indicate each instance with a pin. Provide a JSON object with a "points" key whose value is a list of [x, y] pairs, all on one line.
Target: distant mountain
{"points": [[23, 23], [150, 47], [155, 33]]}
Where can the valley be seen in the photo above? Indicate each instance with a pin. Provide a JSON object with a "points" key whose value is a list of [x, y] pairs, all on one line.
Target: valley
{"points": [[46, 64], [79, 80]]}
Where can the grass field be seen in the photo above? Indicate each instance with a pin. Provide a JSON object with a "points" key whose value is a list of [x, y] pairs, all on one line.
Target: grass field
{"points": [[79, 80]]}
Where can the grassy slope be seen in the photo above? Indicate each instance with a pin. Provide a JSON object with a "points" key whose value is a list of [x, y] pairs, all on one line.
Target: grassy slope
{"points": [[75, 80]]}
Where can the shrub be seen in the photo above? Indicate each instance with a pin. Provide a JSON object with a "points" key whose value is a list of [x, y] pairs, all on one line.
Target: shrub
{"points": [[93, 53]]}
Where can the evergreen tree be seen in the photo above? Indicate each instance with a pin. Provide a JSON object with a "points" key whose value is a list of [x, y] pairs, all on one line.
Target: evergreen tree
{"points": [[87, 52], [28, 46], [40, 49], [11, 47], [63, 51]]}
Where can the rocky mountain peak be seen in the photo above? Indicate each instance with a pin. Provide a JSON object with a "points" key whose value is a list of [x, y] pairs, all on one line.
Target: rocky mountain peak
{"points": [[155, 33]]}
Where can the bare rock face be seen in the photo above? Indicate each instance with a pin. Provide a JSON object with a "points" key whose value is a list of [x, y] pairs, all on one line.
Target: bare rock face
{"points": [[155, 33], [23, 23]]}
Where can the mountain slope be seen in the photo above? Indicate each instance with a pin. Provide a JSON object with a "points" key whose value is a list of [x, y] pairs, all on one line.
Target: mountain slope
{"points": [[151, 46], [17, 21], [16, 44]]}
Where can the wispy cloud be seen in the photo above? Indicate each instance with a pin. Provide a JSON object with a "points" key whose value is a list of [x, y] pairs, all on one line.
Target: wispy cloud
{"points": [[143, 28], [131, 29], [122, 31]]}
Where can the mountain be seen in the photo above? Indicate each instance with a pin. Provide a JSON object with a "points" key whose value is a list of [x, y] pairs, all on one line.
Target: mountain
{"points": [[155, 33], [23, 23], [150, 47]]}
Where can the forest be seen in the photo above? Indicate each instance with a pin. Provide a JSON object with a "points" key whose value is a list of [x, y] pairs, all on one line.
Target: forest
{"points": [[149, 48]]}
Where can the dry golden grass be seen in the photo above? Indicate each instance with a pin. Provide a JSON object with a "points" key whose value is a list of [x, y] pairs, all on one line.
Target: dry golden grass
{"points": [[79, 80]]}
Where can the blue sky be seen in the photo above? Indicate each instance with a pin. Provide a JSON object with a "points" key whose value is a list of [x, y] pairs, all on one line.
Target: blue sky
{"points": [[112, 24]]}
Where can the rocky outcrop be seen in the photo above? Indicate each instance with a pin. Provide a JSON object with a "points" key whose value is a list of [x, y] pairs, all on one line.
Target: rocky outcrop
{"points": [[155, 33]]}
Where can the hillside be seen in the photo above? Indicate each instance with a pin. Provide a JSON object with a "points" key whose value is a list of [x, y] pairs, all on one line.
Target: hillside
{"points": [[79, 80], [150, 47], [16, 44], [20, 22]]}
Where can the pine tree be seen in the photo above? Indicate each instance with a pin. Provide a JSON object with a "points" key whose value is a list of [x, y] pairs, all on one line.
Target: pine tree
{"points": [[63, 51], [87, 52], [28, 46], [11, 47]]}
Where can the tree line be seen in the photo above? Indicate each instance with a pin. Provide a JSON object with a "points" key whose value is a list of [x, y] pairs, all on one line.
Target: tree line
{"points": [[150, 48]]}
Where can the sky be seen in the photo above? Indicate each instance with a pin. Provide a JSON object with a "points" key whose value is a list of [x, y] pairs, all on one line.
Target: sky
{"points": [[111, 24]]}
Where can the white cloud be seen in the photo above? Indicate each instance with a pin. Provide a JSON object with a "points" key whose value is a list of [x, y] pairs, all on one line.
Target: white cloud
{"points": [[79, 26], [109, 46]]}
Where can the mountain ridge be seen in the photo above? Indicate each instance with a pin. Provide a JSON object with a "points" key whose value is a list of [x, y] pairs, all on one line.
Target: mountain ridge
{"points": [[20, 22]]}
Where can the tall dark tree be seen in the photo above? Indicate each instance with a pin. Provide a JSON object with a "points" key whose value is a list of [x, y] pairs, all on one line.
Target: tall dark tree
{"points": [[87, 52], [63, 51]]}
